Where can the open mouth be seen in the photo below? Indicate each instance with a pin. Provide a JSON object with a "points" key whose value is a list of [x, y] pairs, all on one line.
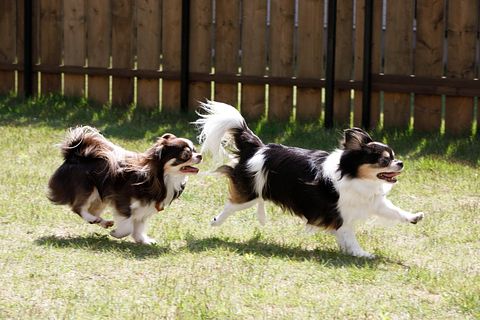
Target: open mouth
{"points": [[189, 169], [388, 176]]}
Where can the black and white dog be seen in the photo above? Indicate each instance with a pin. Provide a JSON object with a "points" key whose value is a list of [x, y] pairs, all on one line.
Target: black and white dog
{"points": [[329, 190], [96, 173]]}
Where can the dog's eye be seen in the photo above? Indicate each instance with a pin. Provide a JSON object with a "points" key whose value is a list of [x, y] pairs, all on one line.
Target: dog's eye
{"points": [[383, 162], [185, 155]]}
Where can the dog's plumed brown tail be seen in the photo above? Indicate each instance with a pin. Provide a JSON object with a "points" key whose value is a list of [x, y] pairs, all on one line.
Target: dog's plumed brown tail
{"points": [[82, 145]]}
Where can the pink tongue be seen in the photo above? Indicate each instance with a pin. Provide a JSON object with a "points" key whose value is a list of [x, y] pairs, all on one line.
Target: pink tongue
{"points": [[391, 174], [190, 169]]}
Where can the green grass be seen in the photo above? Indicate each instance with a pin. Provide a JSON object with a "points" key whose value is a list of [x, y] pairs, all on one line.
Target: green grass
{"points": [[54, 265]]}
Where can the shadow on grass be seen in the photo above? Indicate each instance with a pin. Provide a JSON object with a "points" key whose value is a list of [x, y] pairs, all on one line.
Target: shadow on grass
{"points": [[254, 246], [104, 244], [260, 248], [131, 123]]}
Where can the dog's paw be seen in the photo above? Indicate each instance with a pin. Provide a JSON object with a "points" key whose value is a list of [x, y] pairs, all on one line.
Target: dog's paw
{"points": [[96, 220], [117, 234], [106, 223], [145, 240], [363, 254], [216, 222], [416, 217]]}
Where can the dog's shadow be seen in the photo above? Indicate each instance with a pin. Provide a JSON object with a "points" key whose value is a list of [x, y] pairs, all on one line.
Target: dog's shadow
{"points": [[254, 246], [105, 244], [258, 247]]}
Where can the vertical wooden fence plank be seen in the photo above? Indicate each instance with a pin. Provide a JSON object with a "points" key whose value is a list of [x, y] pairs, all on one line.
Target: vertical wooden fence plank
{"points": [[310, 57], [74, 45], [7, 44], [344, 60], [51, 42], [171, 53], [227, 37], [122, 50], [398, 60], [358, 60], [200, 49], [254, 15], [281, 58], [148, 50], [98, 48], [20, 44], [36, 46], [461, 28], [376, 61], [429, 62]]}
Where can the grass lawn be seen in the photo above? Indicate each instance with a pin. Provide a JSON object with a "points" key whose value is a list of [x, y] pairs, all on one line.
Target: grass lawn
{"points": [[54, 265]]}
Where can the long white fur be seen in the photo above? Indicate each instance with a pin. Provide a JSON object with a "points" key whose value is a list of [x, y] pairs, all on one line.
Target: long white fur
{"points": [[256, 166], [215, 121]]}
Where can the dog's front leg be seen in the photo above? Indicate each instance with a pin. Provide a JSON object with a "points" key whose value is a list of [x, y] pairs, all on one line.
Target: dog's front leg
{"points": [[347, 241], [139, 233], [386, 209]]}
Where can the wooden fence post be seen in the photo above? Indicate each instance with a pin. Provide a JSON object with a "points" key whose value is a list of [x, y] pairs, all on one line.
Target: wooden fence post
{"points": [[461, 37], [200, 50], [429, 62], [171, 52], [344, 60], [20, 43], [122, 50], [376, 61], [398, 61], [148, 24], [51, 43], [74, 45], [281, 58], [310, 57], [254, 15], [7, 44], [98, 48], [227, 38]]}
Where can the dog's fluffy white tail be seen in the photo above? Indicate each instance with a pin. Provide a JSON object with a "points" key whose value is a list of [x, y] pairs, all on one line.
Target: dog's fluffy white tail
{"points": [[215, 122]]}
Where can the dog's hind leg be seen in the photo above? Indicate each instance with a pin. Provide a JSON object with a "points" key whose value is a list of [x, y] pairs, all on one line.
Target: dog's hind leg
{"points": [[229, 209], [96, 208], [84, 205], [261, 216]]}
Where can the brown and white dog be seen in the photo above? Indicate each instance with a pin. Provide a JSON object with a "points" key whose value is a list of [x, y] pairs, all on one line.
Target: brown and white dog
{"points": [[96, 173]]}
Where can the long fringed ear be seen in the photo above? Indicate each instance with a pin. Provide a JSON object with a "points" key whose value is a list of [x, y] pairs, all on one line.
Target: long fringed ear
{"points": [[161, 142], [355, 138], [158, 151]]}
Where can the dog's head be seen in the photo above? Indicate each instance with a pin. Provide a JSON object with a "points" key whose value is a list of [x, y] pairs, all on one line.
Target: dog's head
{"points": [[177, 155], [364, 158]]}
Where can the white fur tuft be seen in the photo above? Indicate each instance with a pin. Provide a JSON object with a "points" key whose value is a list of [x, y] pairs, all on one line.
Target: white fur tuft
{"points": [[216, 120]]}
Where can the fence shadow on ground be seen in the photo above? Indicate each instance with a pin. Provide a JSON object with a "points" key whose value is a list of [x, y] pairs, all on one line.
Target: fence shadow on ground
{"points": [[135, 123]]}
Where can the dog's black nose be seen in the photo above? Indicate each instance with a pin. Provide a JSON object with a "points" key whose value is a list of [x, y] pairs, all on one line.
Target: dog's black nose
{"points": [[400, 164], [199, 156]]}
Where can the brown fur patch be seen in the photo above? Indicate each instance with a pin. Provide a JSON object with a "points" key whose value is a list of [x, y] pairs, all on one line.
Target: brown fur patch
{"points": [[235, 196], [367, 171]]}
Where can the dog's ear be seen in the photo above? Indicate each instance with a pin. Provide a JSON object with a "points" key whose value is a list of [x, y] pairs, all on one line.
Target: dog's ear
{"points": [[168, 136], [157, 152], [355, 138]]}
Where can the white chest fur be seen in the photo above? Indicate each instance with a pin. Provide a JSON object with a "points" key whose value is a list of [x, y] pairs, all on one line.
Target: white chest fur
{"points": [[358, 198]]}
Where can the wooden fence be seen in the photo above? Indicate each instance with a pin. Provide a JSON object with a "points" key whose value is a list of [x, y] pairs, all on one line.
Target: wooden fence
{"points": [[266, 56]]}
